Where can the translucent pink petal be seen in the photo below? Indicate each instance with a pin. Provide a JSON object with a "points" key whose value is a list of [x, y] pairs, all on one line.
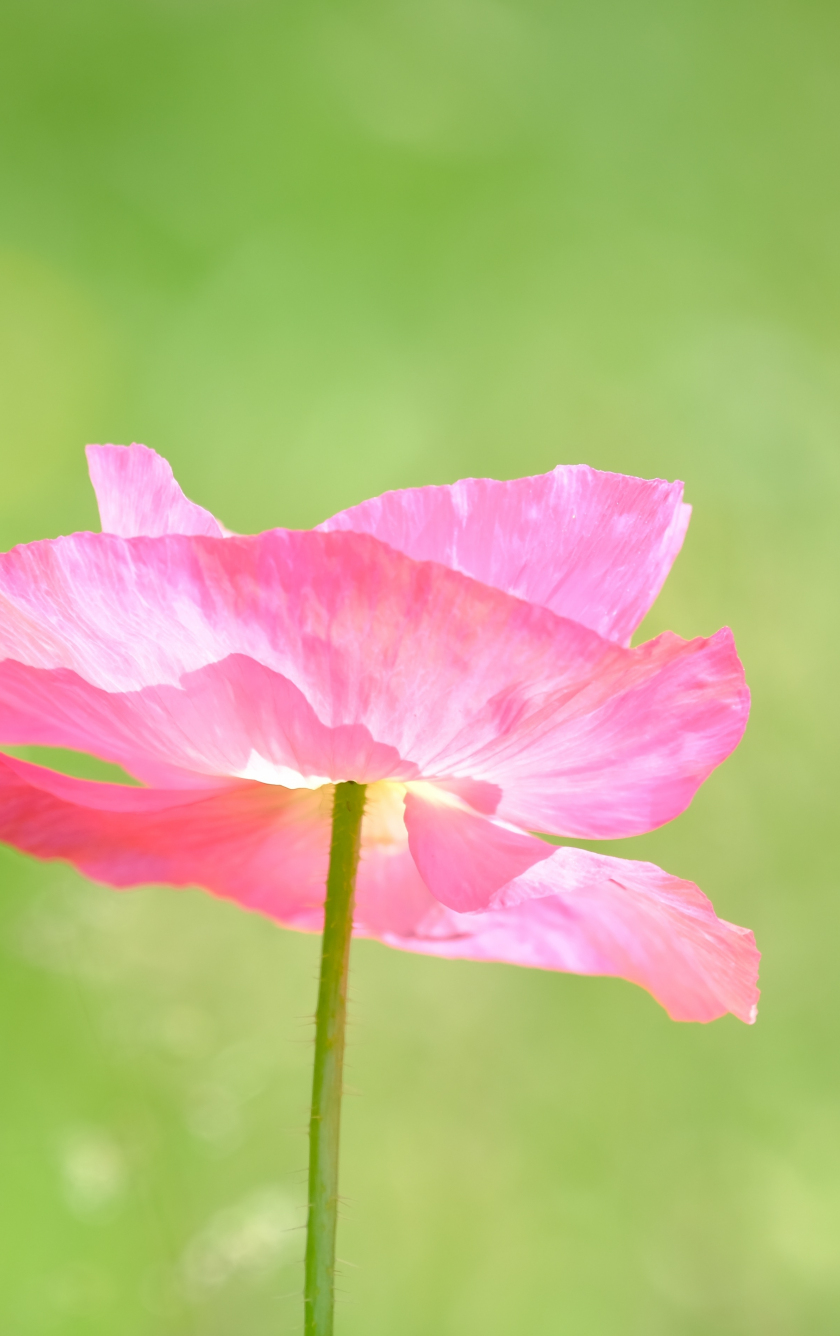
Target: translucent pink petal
{"points": [[631, 751], [463, 858], [137, 494], [589, 914], [391, 896], [595, 547], [267, 848], [213, 724], [263, 846], [616, 751], [389, 666]]}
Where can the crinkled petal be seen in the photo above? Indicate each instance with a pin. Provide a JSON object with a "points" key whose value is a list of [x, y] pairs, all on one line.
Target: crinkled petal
{"points": [[634, 747], [231, 718], [592, 546], [589, 914], [137, 494], [391, 896], [461, 681], [464, 858], [265, 847]]}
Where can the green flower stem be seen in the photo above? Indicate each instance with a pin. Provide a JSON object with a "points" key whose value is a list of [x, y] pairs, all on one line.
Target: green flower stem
{"points": [[325, 1120]]}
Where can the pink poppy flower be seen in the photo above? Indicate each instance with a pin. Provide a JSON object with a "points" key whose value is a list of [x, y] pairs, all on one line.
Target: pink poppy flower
{"points": [[463, 651]]}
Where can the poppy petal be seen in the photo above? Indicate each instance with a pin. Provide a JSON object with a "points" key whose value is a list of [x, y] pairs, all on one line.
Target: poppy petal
{"points": [[137, 494], [235, 718], [464, 858], [592, 546], [630, 752], [265, 847], [391, 896], [586, 913], [440, 676]]}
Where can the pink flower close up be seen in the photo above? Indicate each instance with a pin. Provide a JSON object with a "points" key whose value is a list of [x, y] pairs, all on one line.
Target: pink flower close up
{"points": [[463, 651]]}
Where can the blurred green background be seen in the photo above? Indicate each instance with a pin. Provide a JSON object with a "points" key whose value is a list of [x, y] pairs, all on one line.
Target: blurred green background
{"points": [[311, 252]]}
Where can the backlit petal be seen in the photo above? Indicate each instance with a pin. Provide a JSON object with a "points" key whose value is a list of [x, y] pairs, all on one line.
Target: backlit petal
{"points": [[378, 666], [592, 546], [464, 858], [589, 914], [264, 847], [631, 751], [267, 849], [137, 494], [234, 718], [391, 896]]}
